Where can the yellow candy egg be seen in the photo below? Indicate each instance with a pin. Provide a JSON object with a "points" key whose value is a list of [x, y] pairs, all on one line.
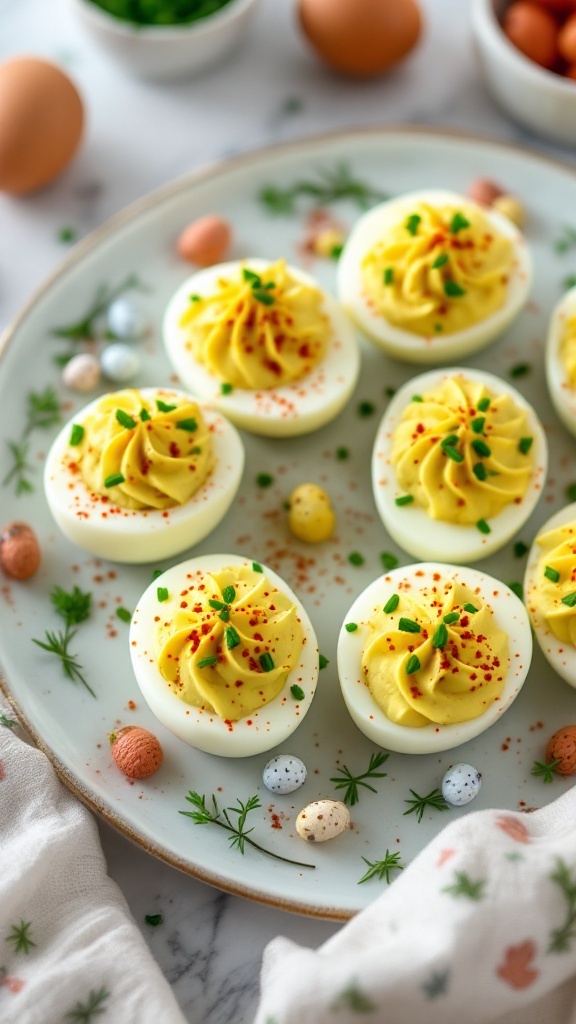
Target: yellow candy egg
{"points": [[311, 517]]}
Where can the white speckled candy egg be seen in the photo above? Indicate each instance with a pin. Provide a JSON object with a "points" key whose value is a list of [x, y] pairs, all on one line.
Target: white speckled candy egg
{"points": [[461, 784], [82, 373], [127, 319], [119, 363], [284, 774], [322, 820]]}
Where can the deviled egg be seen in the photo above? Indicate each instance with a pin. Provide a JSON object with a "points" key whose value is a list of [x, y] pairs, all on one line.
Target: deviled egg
{"points": [[432, 276], [138, 476], [561, 359], [459, 463], [550, 591], [224, 654], [263, 343], [430, 655]]}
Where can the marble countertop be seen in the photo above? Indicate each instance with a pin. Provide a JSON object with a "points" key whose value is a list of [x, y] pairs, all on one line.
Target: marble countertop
{"points": [[139, 136]]}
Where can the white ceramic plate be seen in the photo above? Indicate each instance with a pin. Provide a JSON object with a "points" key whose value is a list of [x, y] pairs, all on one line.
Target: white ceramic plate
{"points": [[72, 727]]}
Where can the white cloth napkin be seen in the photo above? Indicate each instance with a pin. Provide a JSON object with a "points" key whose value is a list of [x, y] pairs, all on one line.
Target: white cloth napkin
{"points": [[479, 928], [69, 949]]}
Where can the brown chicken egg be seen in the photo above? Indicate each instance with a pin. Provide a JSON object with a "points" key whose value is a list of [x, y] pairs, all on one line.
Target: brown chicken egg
{"points": [[533, 30], [41, 118], [360, 38]]}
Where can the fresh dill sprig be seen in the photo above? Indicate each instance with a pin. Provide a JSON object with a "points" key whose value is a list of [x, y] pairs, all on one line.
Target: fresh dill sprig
{"points": [[566, 241], [382, 868], [351, 782], [83, 1013], [561, 938], [84, 328], [547, 769], [239, 835], [420, 803], [330, 186], [42, 411], [74, 608]]}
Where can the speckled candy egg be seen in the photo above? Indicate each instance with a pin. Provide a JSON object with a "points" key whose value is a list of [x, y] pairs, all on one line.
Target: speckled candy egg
{"points": [[461, 784], [136, 752], [82, 373], [284, 774], [322, 820], [120, 363], [127, 319], [562, 747], [19, 551]]}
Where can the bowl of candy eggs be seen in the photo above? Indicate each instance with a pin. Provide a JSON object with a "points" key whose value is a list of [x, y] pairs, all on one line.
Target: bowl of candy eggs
{"points": [[527, 53]]}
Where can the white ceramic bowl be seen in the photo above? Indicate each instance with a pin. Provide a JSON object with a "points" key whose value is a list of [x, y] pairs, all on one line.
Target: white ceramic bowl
{"points": [[170, 51], [539, 99]]}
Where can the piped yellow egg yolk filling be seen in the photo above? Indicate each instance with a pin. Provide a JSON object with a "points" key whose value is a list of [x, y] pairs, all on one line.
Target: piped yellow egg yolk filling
{"points": [[463, 452], [555, 593], [438, 270], [142, 453], [437, 656], [568, 351], [230, 642], [258, 330]]}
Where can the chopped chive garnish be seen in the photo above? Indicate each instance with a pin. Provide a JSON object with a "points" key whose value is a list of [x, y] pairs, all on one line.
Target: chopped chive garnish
{"points": [[229, 594], [113, 480], [267, 663], [262, 296], [453, 290], [570, 599], [525, 444], [440, 261], [438, 328], [264, 480], [389, 275], [389, 392], [322, 661], [520, 548], [440, 638], [355, 558], [351, 627], [551, 574], [297, 692], [452, 453], [483, 526], [484, 404], [516, 588], [388, 560], [451, 618], [336, 251], [392, 604], [477, 425], [125, 420], [157, 573], [412, 223], [519, 370], [571, 492], [144, 414], [224, 614], [162, 593], [470, 608], [449, 441], [218, 605], [479, 470], [76, 434], [408, 625], [257, 567], [207, 662], [194, 298], [342, 454], [250, 276], [458, 223], [162, 407], [196, 450], [189, 425], [417, 398], [481, 448], [413, 664], [124, 614], [226, 389], [404, 499], [267, 287], [232, 638], [365, 409]]}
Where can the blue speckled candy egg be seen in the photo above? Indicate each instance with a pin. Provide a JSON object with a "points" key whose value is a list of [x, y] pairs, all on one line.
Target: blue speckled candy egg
{"points": [[127, 319], [119, 363], [284, 773], [461, 784]]}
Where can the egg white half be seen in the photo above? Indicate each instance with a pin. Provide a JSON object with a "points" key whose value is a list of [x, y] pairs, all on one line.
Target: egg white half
{"points": [[410, 525], [296, 408], [403, 344], [561, 656], [261, 729], [562, 394], [509, 614], [143, 535]]}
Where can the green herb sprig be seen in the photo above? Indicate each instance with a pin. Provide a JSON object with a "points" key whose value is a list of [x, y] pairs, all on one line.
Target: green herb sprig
{"points": [[351, 782], [381, 868], [329, 187], [239, 834], [84, 329], [546, 769], [74, 608], [434, 800], [42, 412]]}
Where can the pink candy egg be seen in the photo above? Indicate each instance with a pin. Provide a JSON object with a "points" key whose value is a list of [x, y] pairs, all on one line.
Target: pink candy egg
{"points": [[205, 241]]}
